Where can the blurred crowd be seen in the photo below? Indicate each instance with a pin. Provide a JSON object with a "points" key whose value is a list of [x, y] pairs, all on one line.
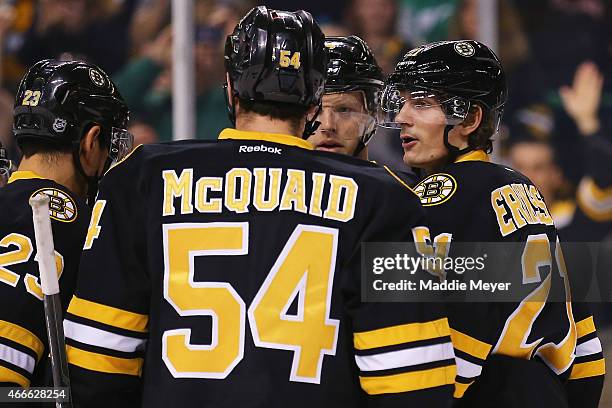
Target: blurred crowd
{"points": [[556, 126]]}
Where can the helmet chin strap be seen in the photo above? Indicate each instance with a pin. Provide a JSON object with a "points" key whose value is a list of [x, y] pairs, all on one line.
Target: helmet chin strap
{"points": [[359, 148], [92, 181], [231, 108], [453, 151], [313, 124]]}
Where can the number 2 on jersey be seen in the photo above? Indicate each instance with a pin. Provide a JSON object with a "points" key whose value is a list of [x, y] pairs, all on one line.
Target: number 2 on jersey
{"points": [[22, 254], [303, 270]]}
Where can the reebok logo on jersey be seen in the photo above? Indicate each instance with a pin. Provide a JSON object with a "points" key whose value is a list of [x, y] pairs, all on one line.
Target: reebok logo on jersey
{"points": [[260, 148]]}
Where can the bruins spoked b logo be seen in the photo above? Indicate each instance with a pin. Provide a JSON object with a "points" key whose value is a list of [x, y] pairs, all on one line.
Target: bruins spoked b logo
{"points": [[61, 206], [465, 49], [97, 78], [436, 189]]}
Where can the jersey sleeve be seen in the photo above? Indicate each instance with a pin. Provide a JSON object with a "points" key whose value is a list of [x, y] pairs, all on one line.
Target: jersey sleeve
{"points": [[23, 337], [107, 320], [593, 216], [585, 383], [402, 351]]}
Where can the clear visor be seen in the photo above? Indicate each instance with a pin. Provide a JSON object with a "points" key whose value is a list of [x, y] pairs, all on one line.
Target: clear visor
{"points": [[343, 123], [122, 143], [400, 105]]}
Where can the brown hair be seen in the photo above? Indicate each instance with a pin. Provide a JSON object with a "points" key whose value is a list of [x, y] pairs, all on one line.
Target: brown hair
{"points": [[481, 138]]}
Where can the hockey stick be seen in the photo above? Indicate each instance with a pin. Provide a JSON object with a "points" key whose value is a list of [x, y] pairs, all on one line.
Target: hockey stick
{"points": [[45, 256]]}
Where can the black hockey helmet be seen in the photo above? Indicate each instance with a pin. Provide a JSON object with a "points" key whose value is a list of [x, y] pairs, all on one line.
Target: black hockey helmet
{"points": [[276, 56], [455, 74], [352, 67], [57, 101]]}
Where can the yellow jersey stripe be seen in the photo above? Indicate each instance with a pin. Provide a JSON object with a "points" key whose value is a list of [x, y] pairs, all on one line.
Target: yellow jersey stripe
{"points": [[588, 369], [123, 159], [23, 175], [586, 326], [10, 376], [411, 381], [22, 336], [288, 140], [395, 176], [108, 315], [470, 345], [103, 363], [474, 155], [461, 388], [404, 333]]}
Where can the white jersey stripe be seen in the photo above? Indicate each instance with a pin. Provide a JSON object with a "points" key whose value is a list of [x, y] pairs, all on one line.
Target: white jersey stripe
{"points": [[101, 338], [588, 347], [467, 369], [18, 358], [405, 357]]}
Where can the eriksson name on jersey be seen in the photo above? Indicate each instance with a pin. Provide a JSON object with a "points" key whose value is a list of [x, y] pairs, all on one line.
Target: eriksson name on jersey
{"points": [[262, 189]]}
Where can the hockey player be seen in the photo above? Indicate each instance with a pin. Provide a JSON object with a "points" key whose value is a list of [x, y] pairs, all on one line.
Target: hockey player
{"points": [[446, 99], [349, 105], [226, 274], [69, 120]]}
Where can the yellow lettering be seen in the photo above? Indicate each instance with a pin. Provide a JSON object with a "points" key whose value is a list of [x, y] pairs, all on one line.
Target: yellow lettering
{"points": [[506, 227], [527, 212], [515, 206], [233, 201], [318, 180], [537, 200], [94, 229], [177, 187], [294, 195], [337, 209], [259, 200], [203, 186]]}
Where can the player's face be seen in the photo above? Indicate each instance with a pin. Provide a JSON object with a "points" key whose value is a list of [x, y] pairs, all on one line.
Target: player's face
{"points": [[422, 124], [343, 122]]}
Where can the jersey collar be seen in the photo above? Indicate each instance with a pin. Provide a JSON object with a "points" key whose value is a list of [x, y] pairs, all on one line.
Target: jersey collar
{"points": [[268, 137], [23, 175], [476, 155]]}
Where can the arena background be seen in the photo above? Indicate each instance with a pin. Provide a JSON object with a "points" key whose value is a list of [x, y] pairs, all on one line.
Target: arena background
{"points": [[557, 56]]}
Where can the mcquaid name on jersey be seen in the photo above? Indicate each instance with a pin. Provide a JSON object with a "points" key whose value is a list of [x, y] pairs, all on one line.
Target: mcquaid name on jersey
{"points": [[242, 190]]}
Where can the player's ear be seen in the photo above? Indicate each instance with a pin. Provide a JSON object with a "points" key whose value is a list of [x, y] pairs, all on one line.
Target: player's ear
{"points": [[472, 121], [91, 139], [91, 150]]}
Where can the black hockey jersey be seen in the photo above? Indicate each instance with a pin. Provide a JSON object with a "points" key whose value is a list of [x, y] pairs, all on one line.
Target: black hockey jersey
{"points": [[473, 200], [23, 337], [226, 274]]}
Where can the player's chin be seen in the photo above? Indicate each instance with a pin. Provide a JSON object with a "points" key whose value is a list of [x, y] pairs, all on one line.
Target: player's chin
{"points": [[334, 149], [411, 158]]}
